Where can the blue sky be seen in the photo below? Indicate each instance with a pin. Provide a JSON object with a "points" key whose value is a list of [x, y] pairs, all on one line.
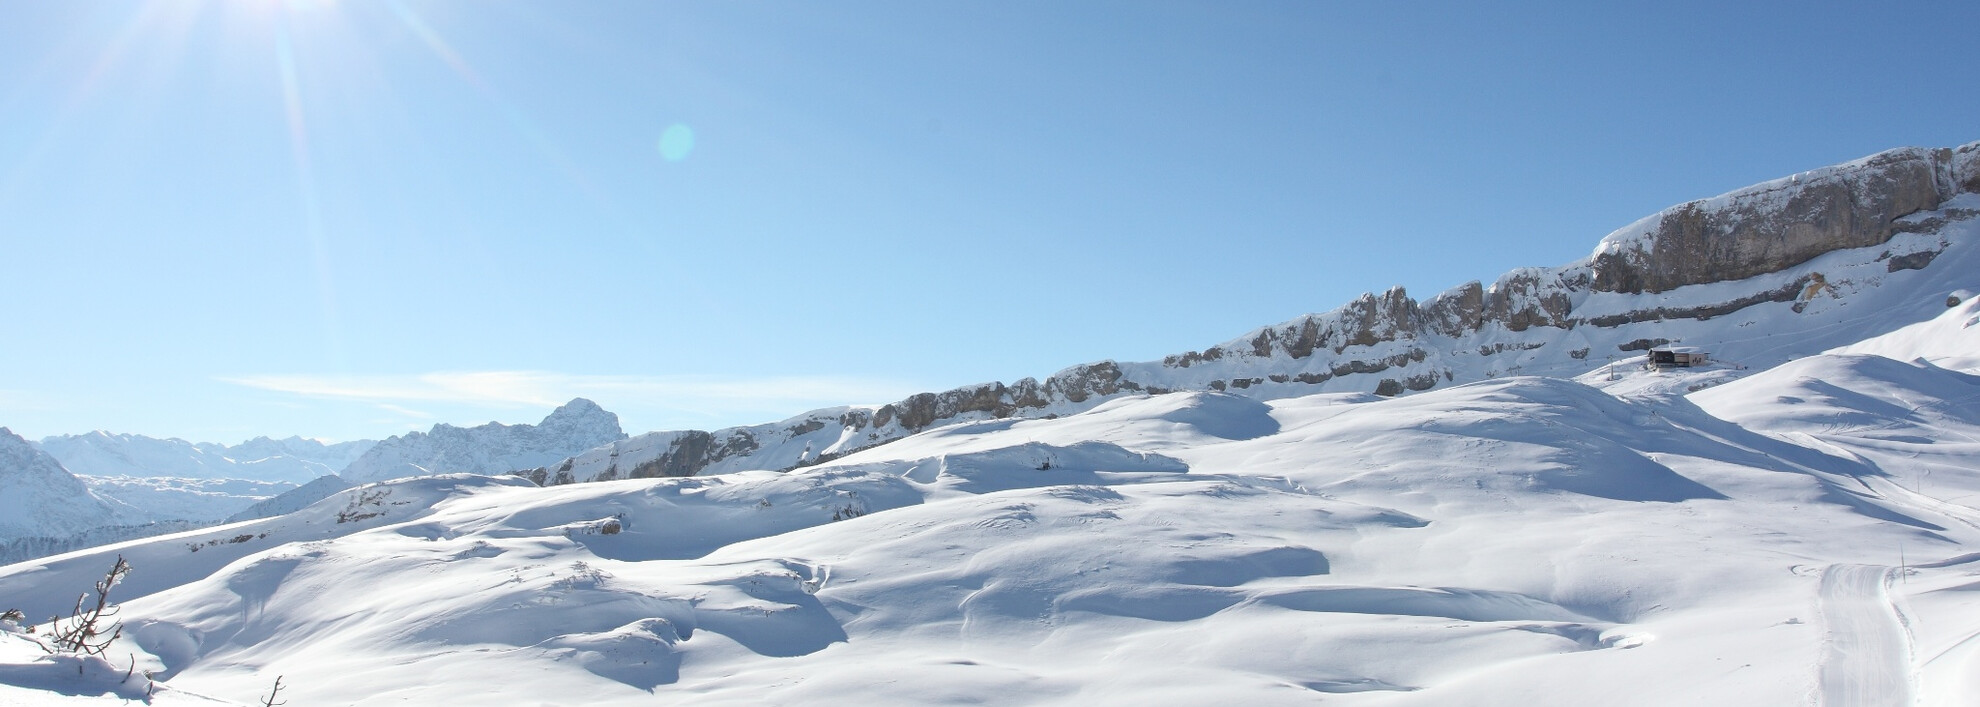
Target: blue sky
{"points": [[353, 218]]}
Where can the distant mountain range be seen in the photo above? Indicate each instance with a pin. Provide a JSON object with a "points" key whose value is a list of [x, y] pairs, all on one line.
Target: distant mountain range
{"points": [[492, 448], [295, 460]]}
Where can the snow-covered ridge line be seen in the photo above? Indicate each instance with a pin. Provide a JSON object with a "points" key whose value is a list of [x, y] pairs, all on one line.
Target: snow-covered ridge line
{"points": [[1760, 274]]}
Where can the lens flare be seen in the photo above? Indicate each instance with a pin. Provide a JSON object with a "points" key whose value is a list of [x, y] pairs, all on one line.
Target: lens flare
{"points": [[676, 142], [517, 119], [299, 142]]}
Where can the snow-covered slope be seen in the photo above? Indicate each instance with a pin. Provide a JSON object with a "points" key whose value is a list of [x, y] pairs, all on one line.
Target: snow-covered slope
{"points": [[294, 460], [1525, 539], [1950, 340], [1758, 276], [294, 499], [40, 498], [492, 448]]}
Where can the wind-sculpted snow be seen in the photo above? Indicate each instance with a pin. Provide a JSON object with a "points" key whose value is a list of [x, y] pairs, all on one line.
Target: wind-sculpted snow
{"points": [[1913, 429], [1525, 536], [173, 560], [1950, 340], [1868, 397]]}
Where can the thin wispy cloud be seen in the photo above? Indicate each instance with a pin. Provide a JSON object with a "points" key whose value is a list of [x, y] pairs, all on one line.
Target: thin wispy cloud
{"points": [[508, 388], [23, 400], [405, 411], [669, 399]]}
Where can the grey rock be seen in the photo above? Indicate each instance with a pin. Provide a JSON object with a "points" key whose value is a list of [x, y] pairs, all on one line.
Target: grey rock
{"points": [[1776, 225], [1965, 168]]}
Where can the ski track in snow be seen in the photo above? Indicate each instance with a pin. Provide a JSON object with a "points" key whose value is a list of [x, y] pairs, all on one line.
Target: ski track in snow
{"points": [[1866, 659]]}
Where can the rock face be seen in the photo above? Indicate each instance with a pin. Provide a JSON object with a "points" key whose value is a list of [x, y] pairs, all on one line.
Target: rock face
{"points": [[1966, 168], [493, 448], [43, 499], [1782, 223]]}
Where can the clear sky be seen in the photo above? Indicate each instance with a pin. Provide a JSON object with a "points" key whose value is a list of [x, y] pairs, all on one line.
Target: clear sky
{"points": [[353, 218]]}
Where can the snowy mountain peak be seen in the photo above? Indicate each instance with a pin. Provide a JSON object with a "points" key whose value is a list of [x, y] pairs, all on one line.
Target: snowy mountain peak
{"points": [[492, 448], [581, 413]]}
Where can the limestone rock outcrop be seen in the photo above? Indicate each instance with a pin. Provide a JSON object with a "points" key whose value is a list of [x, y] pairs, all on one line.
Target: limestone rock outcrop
{"points": [[1782, 223]]}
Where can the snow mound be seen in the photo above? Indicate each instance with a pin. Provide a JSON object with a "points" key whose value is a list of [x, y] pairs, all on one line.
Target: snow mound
{"points": [[1950, 340], [1859, 395]]}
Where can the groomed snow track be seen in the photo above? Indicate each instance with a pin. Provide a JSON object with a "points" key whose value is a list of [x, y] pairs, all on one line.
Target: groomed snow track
{"points": [[1866, 657]]}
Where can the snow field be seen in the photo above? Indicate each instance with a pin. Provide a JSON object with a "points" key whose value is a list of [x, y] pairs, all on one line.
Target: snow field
{"points": [[1517, 540]]}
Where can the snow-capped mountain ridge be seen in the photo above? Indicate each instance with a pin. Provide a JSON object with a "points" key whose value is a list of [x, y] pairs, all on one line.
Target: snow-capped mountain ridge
{"points": [[488, 449], [295, 460], [1781, 269]]}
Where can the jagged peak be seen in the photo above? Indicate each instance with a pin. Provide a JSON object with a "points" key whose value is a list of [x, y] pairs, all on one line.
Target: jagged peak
{"points": [[580, 412], [577, 407]]}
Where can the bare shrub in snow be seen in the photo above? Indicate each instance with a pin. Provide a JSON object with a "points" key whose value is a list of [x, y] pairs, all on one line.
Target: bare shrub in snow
{"points": [[854, 507], [366, 504], [85, 630], [269, 701], [583, 576]]}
